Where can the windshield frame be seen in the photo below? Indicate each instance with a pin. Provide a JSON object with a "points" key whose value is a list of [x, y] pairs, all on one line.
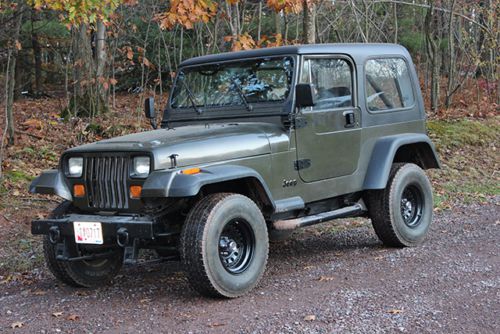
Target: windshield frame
{"points": [[231, 111]]}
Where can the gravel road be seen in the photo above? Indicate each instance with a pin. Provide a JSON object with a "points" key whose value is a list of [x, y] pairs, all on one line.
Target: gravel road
{"points": [[326, 279]]}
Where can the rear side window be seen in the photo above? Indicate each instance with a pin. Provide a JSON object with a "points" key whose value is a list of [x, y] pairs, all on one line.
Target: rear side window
{"points": [[388, 84]]}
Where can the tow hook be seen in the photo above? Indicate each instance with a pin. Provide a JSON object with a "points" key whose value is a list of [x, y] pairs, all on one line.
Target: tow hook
{"points": [[122, 237], [54, 235]]}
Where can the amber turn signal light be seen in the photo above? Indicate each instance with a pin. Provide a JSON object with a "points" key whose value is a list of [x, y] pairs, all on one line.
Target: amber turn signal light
{"points": [[135, 191], [79, 190], [191, 171]]}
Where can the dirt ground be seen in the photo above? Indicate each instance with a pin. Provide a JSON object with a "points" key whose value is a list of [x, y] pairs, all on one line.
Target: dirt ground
{"points": [[325, 279]]}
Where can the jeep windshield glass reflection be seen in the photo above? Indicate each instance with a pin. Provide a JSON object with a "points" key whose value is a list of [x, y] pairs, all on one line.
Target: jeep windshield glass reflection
{"points": [[233, 84]]}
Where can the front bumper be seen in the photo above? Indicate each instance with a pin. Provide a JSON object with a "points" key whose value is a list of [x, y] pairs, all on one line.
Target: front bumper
{"points": [[136, 227]]}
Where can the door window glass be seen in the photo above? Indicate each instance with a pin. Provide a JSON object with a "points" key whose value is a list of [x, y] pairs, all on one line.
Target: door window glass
{"points": [[332, 78], [388, 84]]}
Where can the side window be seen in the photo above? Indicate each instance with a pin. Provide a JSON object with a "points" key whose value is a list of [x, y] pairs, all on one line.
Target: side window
{"points": [[332, 78], [388, 84], [304, 75]]}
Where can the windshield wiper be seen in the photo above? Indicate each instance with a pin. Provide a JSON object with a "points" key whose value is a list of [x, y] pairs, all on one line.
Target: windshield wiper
{"points": [[242, 95], [191, 97]]}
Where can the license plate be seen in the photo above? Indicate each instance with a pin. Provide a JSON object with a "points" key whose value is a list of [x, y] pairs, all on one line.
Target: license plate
{"points": [[88, 233]]}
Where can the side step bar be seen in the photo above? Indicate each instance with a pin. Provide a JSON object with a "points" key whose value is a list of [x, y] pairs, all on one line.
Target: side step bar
{"points": [[348, 211]]}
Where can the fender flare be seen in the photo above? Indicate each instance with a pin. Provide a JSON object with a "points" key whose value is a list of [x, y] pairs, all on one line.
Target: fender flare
{"points": [[384, 152], [165, 183], [51, 182]]}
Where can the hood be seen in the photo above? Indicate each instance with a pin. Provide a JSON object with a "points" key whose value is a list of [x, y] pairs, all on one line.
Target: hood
{"points": [[194, 144]]}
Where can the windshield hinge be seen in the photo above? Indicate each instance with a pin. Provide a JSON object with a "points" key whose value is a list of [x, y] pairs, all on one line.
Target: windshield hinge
{"points": [[302, 164]]}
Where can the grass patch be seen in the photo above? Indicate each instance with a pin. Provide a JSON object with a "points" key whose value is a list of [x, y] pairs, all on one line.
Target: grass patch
{"points": [[468, 152], [16, 176], [456, 133], [37, 153]]}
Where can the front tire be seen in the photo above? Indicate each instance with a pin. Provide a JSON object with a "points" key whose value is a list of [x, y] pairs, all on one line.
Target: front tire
{"points": [[401, 213], [224, 245], [89, 274]]}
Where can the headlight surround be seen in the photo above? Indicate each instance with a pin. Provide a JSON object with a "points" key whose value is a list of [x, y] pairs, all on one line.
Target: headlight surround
{"points": [[141, 167], [75, 167]]}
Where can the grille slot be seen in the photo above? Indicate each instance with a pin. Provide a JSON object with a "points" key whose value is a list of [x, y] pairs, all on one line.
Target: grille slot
{"points": [[106, 180]]}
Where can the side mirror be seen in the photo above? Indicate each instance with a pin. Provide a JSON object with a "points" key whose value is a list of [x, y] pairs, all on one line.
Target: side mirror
{"points": [[305, 95], [149, 110]]}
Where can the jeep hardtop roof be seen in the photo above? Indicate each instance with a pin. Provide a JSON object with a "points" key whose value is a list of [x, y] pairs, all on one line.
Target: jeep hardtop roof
{"points": [[358, 51]]}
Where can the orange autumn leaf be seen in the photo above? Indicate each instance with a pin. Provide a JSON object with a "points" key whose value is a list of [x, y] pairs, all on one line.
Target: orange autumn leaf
{"points": [[186, 13]]}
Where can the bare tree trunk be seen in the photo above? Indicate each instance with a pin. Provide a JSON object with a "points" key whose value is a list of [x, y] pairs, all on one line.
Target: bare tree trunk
{"points": [[37, 53], [101, 55], [277, 22], [87, 100], [452, 63], [6, 93], [396, 25], [182, 44], [259, 21], [432, 46], [309, 23], [11, 79], [101, 60]]}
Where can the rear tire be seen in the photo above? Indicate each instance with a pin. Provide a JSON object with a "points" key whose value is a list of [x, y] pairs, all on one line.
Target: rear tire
{"points": [[401, 213], [224, 245]]}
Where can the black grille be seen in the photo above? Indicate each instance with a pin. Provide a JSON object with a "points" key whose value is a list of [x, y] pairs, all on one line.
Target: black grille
{"points": [[106, 179]]}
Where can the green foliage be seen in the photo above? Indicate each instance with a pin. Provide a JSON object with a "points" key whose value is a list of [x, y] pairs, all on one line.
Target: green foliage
{"points": [[414, 41], [38, 153], [47, 28], [15, 176], [450, 134]]}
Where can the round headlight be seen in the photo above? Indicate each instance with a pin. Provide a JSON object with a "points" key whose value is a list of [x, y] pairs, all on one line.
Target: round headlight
{"points": [[75, 167], [141, 166]]}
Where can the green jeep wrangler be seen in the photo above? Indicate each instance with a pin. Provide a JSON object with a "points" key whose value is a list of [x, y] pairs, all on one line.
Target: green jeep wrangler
{"points": [[252, 145]]}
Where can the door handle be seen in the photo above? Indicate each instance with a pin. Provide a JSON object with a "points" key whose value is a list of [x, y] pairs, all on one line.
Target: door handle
{"points": [[350, 119]]}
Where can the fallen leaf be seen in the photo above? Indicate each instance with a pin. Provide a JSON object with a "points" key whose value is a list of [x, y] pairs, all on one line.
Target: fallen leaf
{"points": [[57, 314], [325, 278], [81, 293], [395, 311], [216, 324], [17, 324], [310, 317], [7, 279], [39, 293], [73, 317]]}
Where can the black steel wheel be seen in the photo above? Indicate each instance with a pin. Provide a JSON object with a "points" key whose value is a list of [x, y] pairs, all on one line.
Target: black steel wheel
{"points": [[236, 246], [401, 213], [224, 245], [412, 206]]}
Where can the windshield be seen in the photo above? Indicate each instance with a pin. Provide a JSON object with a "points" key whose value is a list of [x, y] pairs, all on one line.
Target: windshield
{"points": [[233, 84]]}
